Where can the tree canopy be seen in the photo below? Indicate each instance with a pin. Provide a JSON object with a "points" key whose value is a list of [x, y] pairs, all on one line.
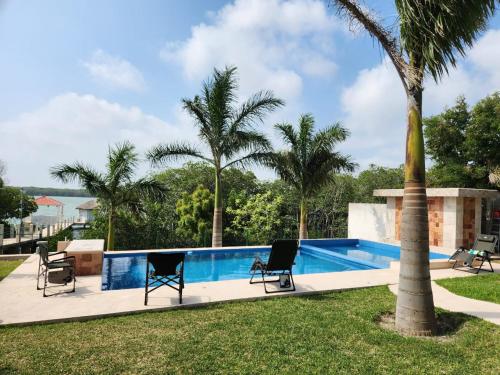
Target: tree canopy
{"points": [[463, 143]]}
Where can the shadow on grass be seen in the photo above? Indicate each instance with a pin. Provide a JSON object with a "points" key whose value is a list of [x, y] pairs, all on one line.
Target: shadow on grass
{"points": [[448, 323]]}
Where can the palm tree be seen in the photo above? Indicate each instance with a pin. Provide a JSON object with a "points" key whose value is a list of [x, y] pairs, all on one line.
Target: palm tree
{"points": [[227, 131], [310, 162], [115, 189], [431, 33]]}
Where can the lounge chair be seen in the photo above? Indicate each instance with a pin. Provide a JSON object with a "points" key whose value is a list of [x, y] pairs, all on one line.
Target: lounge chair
{"points": [[279, 264], [164, 272], [482, 250], [57, 271]]}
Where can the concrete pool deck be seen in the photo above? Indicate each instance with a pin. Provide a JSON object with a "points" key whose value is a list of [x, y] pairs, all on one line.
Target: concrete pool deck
{"points": [[21, 303]]}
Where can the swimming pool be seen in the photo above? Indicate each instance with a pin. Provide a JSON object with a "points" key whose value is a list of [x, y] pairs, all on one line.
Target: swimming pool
{"points": [[127, 270]]}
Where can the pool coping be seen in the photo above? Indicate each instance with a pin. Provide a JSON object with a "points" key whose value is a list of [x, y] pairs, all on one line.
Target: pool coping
{"points": [[22, 304]]}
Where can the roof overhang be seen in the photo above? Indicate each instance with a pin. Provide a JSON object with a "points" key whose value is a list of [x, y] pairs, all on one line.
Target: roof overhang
{"points": [[443, 192]]}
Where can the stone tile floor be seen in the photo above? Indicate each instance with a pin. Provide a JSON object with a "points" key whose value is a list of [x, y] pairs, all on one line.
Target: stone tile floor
{"points": [[21, 303]]}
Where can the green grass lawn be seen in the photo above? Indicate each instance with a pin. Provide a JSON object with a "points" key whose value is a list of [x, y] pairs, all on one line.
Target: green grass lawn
{"points": [[7, 266], [485, 287], [328, 333]]}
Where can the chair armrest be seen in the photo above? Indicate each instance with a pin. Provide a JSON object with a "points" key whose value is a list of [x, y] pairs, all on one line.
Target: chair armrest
{"points": [[58, 253], [60, 260]]}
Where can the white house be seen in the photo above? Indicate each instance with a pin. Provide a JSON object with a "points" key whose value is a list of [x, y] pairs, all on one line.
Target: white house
{"points": [[86, 211]]}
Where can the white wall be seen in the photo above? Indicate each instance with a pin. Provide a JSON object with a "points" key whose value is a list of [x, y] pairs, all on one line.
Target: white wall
{"points": [[367, 221]]}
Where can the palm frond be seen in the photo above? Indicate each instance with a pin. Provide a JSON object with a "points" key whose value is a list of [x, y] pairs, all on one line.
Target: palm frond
{"points": [[311, 159], [164, 153], [435, 31], [197, 109], [288, 133], [90, 179], [148, 188], [356, 13], [253, 158], [329, 137], [255, 108], [122, 161], [244, 141]]}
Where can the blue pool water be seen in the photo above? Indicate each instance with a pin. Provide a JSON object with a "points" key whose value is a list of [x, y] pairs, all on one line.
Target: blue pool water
{"points": [[127, 270]]}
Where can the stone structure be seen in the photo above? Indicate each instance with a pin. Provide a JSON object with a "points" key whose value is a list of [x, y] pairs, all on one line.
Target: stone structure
{"points": [[454, 214], [88, 255]]}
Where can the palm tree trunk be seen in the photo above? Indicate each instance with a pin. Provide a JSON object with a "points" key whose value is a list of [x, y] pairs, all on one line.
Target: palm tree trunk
{"points": [[303, 219], [415, 305], [111, 229], [217, 224]]}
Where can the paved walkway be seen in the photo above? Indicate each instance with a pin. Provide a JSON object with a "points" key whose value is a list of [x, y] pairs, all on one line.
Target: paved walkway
{"points": [[445, 299], [21, 303]]}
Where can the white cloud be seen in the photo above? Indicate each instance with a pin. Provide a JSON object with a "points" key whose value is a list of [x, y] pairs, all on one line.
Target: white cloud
{"points": [[486, 55], [114, 71], [375, 104], [272, 42], [72, 127]]}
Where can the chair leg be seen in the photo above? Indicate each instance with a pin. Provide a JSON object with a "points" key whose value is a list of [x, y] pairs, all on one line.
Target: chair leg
{"points": [[45, 282], [293, 283], [146, 292], [492, 270], [264, 281], [251, 278], [38, 276]]}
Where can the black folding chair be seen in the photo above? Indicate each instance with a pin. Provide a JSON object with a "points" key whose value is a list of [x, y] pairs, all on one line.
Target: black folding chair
{"points": [[482, 250], [164, 272], [280, 263], [58, 271]]}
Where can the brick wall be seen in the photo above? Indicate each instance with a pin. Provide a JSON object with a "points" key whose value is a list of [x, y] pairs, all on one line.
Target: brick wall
{"points": [[435, 214], [469, 222]]}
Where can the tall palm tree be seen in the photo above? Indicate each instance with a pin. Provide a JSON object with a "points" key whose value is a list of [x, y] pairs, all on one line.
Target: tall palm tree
{"points": [[226, 130], [431, 34], [310, 161], [115, 189]]}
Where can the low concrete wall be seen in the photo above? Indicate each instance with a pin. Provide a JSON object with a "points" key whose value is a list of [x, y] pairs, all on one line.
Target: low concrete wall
{"points": [[367, 221]]}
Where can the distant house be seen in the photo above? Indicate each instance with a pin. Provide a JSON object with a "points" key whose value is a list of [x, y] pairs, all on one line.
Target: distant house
{"points": [[86, 211]]}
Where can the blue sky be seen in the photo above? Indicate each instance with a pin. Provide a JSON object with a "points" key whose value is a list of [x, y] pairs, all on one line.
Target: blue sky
{"points": [[80, 75]]}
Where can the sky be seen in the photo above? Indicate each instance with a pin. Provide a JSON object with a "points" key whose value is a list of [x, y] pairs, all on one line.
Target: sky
{"points": [[78, 76]]}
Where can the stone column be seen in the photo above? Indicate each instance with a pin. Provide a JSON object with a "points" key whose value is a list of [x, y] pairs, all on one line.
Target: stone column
{"points": [[453, 216]]}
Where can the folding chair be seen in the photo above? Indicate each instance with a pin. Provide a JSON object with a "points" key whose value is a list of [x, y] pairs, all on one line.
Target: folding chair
{"points": [[482, 250], [165, 272], [279, 264], [57, 271]]}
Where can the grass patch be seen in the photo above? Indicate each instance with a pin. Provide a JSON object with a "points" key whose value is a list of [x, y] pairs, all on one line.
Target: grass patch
{"points": [[485, 287], [327, 333], [7, 266]]}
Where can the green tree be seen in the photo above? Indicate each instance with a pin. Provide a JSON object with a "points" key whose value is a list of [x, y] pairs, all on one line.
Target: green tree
{"points": [[330, 207], [258, 218], [195, 217], [377, 177], [10, 203], [482, 138], [430, 35], [116, 189], [310, 161], [463, 144], [226, 130], [445, 134]]}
